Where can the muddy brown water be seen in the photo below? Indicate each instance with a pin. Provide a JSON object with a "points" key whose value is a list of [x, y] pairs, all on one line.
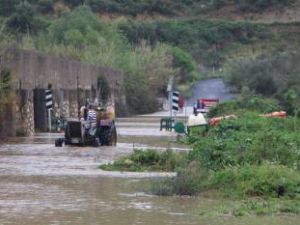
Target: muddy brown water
{"points": [[41, 184]]}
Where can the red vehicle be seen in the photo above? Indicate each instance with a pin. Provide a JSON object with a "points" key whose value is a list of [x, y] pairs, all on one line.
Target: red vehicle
{"points": [[204, 104]]}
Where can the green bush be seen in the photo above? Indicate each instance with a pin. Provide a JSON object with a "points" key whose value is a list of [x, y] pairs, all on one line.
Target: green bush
{"points": [[186, 65], [249, 140], [264, 75], [205, 40], [252, 103], [149, 160], [25, 20], [190, 180], [265, 180], [76, 28]]}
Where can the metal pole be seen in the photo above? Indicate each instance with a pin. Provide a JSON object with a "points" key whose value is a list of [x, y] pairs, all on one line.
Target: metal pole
{"points": [[49, 120], [170, 103], [169, 89]]}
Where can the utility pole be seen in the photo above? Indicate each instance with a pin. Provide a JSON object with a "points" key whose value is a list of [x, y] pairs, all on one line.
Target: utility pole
{"points": [[169, 90]]}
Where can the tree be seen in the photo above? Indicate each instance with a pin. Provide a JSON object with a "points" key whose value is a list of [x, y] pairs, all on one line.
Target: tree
{"points": [[24, 19]]}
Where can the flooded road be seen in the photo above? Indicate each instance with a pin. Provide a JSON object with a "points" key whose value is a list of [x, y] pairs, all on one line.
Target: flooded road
{"points": [[41, 184]]}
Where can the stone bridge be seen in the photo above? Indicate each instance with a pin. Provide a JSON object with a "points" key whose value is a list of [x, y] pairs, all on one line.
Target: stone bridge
{"points": [[72, 84]]}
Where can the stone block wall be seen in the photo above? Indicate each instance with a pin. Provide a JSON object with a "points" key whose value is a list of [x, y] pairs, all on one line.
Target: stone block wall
{"points": [[24, 113]]}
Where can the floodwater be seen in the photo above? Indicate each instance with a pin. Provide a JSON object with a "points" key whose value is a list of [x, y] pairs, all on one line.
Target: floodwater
{"points": [[41, 184]]}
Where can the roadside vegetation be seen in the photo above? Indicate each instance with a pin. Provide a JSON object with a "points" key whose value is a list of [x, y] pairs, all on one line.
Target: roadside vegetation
{"points": [[275, 76], [145, 161], [252, 160]]}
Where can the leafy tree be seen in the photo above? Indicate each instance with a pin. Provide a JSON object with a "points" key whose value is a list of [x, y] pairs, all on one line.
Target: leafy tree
{"points": [[81, 23], [147, 71], [185, 63], [24, 20]]}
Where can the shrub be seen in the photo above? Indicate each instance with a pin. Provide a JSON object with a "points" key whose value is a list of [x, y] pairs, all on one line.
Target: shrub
{"points": [[76, 27], [253, 103], [186, 65], [190, 180], [24, 20], [270, 75], [205, 40], [249, 140], [265, 180], [149, 160]]}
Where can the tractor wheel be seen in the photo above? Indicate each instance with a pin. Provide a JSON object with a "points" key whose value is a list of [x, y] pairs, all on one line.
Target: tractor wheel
{"points": [[58, 142]]}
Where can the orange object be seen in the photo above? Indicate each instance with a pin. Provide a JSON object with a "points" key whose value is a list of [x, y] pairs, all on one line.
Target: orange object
{"points": [[216, 120], [280, 114]]}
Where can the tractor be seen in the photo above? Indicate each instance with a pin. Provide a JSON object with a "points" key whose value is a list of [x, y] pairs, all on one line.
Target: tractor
{"points": [[91, 132]]}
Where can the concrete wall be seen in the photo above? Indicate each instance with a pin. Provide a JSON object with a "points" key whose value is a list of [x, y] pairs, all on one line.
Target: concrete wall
{"points": [[35, 70], [72, 83]]}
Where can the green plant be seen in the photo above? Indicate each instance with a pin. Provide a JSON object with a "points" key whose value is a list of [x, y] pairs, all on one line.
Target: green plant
{"points": [[190, 180], [264, 180], [251, 102], [25, 20], [263, 75], [149, 160]]}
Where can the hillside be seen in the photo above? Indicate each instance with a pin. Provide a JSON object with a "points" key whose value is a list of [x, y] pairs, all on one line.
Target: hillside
{"points": [[149, 40], [255, 10]]}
